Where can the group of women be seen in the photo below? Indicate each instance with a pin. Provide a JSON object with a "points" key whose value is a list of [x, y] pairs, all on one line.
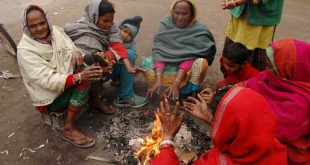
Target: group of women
{"points": [[264, 120]]}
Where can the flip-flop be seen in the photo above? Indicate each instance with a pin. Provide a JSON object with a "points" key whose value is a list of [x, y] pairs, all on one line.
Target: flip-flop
{"points": [[74, 142]]}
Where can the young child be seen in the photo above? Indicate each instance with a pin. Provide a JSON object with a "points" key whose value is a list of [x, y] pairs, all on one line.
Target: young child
{"points": [[236, 67], [129, 29]]}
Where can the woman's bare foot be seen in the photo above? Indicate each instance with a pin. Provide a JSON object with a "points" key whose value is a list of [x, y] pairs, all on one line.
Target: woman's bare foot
{"points": [[102, 106]]}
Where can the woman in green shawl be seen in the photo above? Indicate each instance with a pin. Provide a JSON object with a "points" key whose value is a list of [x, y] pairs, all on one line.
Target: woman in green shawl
{"points": [[182, 51]]}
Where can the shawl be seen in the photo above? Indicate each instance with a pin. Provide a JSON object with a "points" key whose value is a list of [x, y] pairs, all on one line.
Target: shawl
{"points": [[45, 67], [87, 36], [174, 45], [288, 92]]}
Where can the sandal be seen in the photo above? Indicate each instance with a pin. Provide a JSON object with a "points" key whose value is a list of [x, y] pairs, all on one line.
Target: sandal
{"points": [[106, 108], [79, 142]]}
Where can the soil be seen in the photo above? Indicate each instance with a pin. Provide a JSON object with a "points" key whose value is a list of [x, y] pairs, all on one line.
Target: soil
{"points": [[21, 125]]}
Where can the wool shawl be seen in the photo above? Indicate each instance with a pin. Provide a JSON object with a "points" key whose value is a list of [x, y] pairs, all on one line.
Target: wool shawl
{"points": [[87, 36], [45, 67], [174, 45]]}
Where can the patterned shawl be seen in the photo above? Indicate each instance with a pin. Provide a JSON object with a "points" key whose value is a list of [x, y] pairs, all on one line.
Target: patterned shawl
{"points": [[288, 92], [87, 36], [173, 45]]}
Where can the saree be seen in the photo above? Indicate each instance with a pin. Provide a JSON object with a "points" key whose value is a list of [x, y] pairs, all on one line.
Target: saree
{"points": [[241, 133], [287, 91]]}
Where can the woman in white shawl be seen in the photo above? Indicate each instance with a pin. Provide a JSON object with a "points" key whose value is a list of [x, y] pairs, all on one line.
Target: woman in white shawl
{"points": [[50, 65]]}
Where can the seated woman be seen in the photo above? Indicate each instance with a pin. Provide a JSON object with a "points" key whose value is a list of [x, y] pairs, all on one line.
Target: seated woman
{"points": [[286, 88], [241, 133], [96, 32], [183, 49], [50, 66]]}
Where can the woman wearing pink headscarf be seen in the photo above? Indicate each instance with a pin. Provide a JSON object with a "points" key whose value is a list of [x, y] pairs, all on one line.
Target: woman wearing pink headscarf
{"points": [[286, 88]]}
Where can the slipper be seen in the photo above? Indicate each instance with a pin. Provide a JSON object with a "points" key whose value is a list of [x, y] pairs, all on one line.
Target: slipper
{"points": [[78, 142]]}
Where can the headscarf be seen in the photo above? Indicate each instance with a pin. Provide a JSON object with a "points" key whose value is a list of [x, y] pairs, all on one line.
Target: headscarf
{"points": [[243, 133], [288, 92], [291, 60], [173, 44], [45, 67], [85, 33], [25, 25]]}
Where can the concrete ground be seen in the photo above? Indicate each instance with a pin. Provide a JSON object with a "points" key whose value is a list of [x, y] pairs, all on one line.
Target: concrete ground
{"points": [[21, 126]]}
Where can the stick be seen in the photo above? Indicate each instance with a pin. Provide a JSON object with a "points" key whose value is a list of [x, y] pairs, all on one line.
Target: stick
{"points": [[102, 159]]}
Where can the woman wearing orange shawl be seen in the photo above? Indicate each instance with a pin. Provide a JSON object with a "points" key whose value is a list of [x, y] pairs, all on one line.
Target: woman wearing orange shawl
{"points": [[286, 88], [241, 133]]}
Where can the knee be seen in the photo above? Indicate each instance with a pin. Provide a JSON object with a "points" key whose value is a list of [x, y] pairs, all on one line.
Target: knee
{"points": [[201, 64]]}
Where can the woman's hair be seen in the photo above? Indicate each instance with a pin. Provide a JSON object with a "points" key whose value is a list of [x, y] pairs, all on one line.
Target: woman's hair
{"points": [[105, 7], [218, 97], [190, 5], [236, 53]]}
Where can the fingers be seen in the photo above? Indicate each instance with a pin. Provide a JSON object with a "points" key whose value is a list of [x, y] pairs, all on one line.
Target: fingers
{"points": [[201, 99], [194, 100], [176, 109], [167, 106]]}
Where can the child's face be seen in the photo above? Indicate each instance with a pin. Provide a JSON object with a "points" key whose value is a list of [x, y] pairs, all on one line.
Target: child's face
{"points": [[126, 34], [232, 67]]}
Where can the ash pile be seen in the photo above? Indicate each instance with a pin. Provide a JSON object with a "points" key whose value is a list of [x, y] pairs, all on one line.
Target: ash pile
{"points": [[128, 125]]}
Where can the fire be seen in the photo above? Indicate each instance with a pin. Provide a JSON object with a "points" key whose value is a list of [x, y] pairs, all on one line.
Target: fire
{"points": [[150, 146]]}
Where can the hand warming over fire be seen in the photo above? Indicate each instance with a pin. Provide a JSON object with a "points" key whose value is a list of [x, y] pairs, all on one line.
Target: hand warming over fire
{"points": [[207, 94], [170, 120], [198, 108]]}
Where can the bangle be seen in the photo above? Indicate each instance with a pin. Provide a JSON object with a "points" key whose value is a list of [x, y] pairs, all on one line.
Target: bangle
{"points": [[178, 81], [166, 142], [80, 79]]}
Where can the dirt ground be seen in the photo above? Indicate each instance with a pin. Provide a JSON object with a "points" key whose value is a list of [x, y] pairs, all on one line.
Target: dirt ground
{"points": [[21, 125]]}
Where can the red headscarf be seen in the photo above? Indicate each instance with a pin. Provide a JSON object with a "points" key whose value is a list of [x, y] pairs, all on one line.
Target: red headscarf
{"points": [[243, 130]]}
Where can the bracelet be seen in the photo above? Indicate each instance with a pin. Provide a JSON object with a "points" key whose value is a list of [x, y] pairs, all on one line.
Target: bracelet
{"points": [[80, 79], [167, 142], [178, 81]]}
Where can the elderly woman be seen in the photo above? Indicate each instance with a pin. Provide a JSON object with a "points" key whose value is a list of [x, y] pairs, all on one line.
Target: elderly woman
{"points": [[183, 49], [50, 65], [241, 133], [286, 88], [96, 32]]}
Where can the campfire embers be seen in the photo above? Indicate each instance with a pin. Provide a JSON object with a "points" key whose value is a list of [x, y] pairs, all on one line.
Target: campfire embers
{"points": [[150, 146]]}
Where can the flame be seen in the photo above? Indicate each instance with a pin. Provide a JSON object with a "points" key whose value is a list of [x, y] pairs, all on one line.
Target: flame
{"points": [[150, 146]]}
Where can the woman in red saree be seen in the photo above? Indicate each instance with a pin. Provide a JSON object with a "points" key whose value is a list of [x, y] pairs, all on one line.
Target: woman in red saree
{"points": [[286, 88], [241, 133]]}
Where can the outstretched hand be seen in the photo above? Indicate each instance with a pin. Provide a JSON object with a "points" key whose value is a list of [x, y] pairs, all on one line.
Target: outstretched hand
{"points": [[156, 88], [170, 120], [230, 4], [198, 108]]}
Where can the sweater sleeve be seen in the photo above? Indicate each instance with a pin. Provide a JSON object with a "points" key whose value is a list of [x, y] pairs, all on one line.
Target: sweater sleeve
{"points": [[119, 50]]}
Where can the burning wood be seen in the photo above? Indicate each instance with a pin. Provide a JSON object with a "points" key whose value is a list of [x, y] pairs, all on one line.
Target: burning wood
{"points": [[150, 146]]}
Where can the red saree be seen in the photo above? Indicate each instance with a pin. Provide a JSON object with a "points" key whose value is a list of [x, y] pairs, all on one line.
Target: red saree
{"points": [[243, 133]]}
